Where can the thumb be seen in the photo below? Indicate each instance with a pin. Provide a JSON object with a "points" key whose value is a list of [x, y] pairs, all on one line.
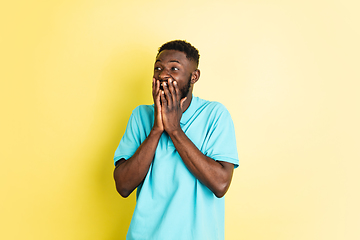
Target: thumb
{"points": [[182, 102]]}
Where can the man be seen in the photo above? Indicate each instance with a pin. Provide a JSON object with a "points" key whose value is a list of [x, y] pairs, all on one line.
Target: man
{"points": [[179, 153]]}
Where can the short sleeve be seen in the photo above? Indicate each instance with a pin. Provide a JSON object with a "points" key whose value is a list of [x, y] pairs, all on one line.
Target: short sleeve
{"points": [[131, 140], [221, 140]]}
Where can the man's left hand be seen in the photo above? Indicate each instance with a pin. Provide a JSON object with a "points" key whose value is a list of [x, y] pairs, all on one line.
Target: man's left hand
{"points": [[172, 106]]}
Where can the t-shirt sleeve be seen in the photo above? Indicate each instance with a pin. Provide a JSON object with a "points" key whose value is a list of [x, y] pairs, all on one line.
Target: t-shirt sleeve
{"points": [[131, 140], [221, 142]]}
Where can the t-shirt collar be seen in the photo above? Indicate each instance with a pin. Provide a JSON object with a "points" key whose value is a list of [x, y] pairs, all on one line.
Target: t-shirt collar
{"points": [[190, 110]]}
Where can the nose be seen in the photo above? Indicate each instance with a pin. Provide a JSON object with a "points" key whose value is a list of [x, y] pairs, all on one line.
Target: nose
{"points": [[164, 75]]}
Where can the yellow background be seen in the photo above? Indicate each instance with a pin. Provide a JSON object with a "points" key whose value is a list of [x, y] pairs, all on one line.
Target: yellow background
{"points": [[288, 71]]}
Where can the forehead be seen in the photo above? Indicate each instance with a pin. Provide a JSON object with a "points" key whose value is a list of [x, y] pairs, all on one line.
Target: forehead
{"points": [[166, 56]]}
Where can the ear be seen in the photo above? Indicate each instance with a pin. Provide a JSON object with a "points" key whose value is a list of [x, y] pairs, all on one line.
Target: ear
{"points": [[195, 76]]}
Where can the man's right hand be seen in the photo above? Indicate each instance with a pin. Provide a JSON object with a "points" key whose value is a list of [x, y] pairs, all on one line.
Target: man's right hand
{"points": [[156, 92], [129, 173]]}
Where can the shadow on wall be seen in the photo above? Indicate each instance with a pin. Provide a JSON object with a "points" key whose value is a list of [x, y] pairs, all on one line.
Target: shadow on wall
{"points": [[126, 83]]}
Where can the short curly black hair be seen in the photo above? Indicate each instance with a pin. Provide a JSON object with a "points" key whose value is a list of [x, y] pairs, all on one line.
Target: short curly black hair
{"points": [[181, 45]]}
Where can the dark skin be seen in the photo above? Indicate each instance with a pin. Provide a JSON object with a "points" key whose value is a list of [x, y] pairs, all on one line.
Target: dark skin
{"points": [[171, 75]]}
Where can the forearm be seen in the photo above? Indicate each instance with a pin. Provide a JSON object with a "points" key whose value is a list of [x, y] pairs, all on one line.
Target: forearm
{"points": [[128, 174], [213, 174]]}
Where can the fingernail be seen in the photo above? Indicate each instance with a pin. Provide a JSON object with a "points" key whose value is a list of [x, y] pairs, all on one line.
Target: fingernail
{"points": [[164, 83], [175, 82]]}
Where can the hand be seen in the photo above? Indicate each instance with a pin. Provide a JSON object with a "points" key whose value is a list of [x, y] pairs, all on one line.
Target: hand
{"points": [[156, 92], [172, 106]]}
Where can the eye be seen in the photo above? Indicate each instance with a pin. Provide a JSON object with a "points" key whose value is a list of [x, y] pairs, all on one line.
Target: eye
{"points": [[157, 68], [174, 68]]}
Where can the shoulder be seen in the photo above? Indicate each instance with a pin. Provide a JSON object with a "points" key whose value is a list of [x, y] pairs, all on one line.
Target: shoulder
{"points": [[142, 118], [212, 107], [142, 113], [143, 110]]}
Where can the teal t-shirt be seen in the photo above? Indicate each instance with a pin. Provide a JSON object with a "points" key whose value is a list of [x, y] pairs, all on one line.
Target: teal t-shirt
{"points": [[171, 203]]}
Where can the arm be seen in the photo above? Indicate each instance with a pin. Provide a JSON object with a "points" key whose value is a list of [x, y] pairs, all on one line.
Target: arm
{"points": [[128, 174], [216, 175]]}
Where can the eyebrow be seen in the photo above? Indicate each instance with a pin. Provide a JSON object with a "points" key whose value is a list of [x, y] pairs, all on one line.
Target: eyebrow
{"points": [[169, 61]]}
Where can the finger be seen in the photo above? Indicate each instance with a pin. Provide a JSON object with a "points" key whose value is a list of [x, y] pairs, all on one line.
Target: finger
{"points": [[172, 90], [182, 103], [157, 93], [153, 86], [167, 94], [177, 91], [163, 99], [157, 82], [157, 87]]}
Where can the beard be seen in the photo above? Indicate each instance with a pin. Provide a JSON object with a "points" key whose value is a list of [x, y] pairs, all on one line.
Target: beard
{"points": [[185, 90]]}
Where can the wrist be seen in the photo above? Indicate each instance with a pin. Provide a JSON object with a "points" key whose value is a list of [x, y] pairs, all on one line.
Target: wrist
{"points": [[156, 131], [175, 132]]}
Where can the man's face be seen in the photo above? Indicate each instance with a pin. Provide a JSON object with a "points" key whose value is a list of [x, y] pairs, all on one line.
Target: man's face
{"points": [[174, 64]]}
